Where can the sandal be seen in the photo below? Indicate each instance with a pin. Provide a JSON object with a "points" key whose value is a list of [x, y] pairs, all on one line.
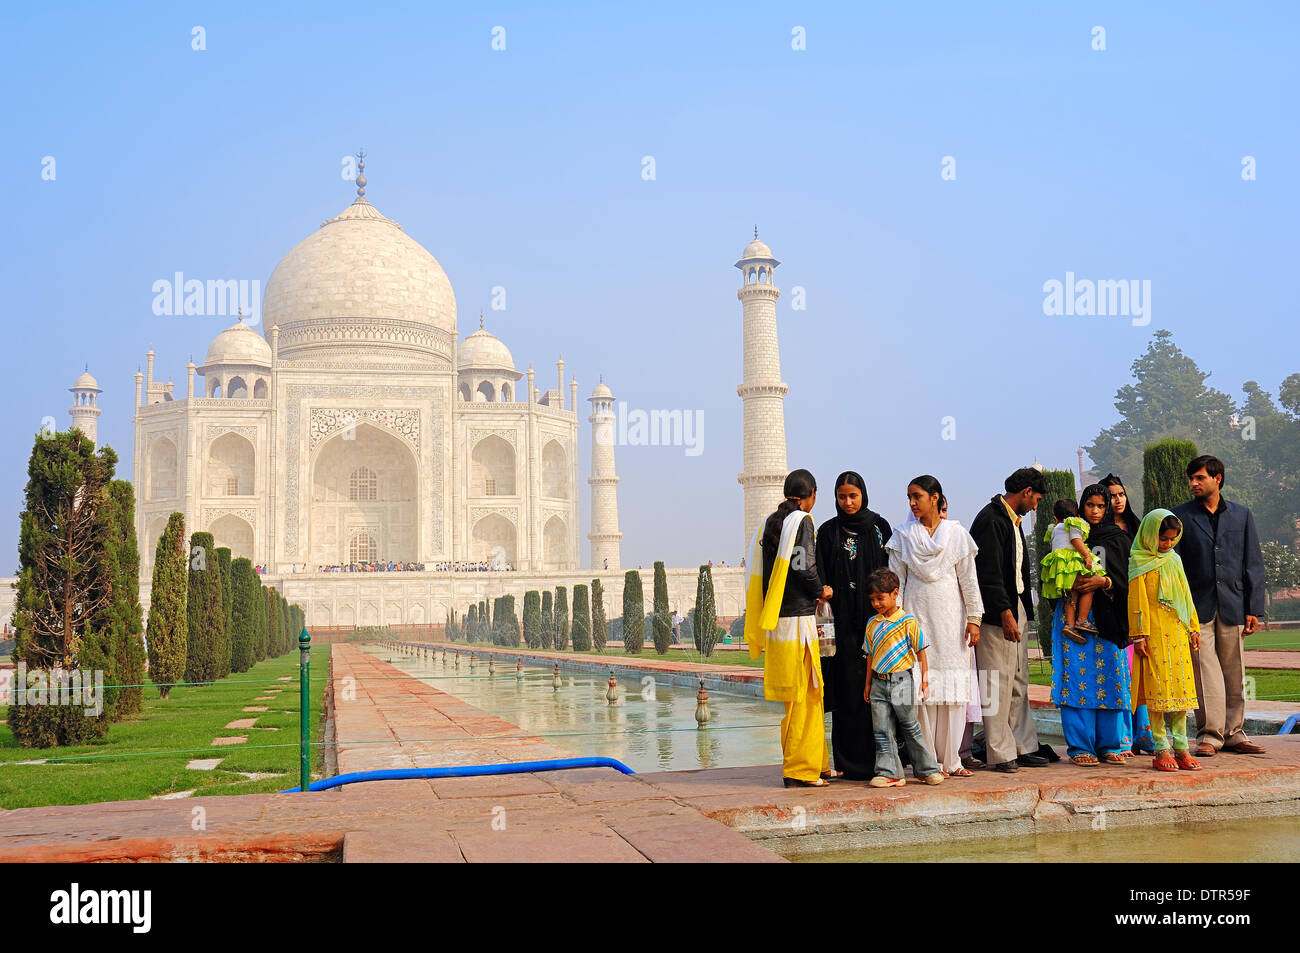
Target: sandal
{"points": [[1186, 762], [1084, 760], [960, 773], [1164, 761], [796, 783], [1073, 636], [1113, 757], [832, 775]]}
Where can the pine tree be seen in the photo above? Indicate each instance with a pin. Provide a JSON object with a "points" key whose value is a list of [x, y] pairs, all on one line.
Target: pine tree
{"points": [[244, 610], [581, 619], [167, 634], [65, 588], [706, 613], [599, 627], [663, 622], [227, 608], [548, 620], [1164, 473], [124, 617], [633, 613], [561, 619], [533, 619], [203, 611]]}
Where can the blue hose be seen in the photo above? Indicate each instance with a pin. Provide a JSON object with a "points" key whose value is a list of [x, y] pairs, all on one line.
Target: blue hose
{"points": [[1289, 724], [462, 771]]}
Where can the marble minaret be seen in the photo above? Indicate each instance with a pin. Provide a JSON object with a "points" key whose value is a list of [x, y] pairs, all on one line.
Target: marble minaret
{"points": [[604, 536], [761, 390], [85, 406]]}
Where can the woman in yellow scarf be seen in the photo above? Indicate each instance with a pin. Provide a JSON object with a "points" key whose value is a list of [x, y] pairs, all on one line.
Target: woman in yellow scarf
{"points": [[1164, 629], [780, 601]]}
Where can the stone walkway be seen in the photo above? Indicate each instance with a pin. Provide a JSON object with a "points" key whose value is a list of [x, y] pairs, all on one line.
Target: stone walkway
{"points": [[385, 719], [594, 815]]}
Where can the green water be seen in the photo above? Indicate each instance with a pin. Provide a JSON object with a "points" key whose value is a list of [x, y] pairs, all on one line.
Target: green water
{"points": [[1266, 840], [651, 727]]}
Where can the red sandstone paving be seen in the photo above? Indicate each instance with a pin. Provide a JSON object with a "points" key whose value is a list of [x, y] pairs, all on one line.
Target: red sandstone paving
{"points": [[595, 815]]}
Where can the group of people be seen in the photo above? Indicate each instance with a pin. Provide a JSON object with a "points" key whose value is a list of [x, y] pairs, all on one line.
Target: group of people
{"points": [[929, 621], [402, 565]]}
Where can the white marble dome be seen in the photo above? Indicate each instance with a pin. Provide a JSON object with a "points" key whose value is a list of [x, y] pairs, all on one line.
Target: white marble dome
{"points": [[483, 349], [86, 382], [756, 249], [238, 344], [360, 279]]}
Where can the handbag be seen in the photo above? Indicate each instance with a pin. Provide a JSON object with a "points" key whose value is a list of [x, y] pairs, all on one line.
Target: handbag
{"points": [[825, 631]]}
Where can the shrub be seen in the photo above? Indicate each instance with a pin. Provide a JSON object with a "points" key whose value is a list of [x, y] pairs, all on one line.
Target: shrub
{"points": [[706, 613], [548, 620], [204, 621], [245, 611], [533, 619], [166, 631], [561, 619], [581, 619], [599, 628], [663, 620], [633, 613], [1164, 474]]}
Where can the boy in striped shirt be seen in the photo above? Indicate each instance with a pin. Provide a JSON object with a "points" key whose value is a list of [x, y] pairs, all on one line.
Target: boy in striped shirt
{"points": [[894, 644]]}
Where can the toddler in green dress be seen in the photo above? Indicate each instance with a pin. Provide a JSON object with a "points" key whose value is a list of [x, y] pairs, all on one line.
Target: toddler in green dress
{"points": [[1069, 559]]}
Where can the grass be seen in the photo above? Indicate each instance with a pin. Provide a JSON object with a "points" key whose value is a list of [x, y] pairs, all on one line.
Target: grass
{"points": [[185, 724], [1278, 640]]}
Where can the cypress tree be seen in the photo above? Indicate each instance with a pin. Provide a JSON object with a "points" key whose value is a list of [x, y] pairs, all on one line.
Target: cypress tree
{"points": [[581, 619], [547, 635], [561, 619], [125, 618], [498, 621], [633, 613], [471, 622], [599, 627], [227, 608], [275, 624], [1164, 476], [510, 628], [64, 587], [663, 622], [167, 633], [532, 619], [203, 611], [245, 610], [288, 636], [706, 613]]}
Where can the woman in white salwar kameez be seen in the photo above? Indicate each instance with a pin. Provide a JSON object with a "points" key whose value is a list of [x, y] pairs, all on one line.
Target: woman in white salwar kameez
{"points": [[935, 563]]}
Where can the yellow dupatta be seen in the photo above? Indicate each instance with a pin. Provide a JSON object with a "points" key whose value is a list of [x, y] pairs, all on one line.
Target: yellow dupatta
{"points": [[761, 613]]}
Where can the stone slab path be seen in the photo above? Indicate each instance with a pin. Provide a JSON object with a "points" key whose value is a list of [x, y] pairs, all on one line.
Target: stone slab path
{"points": [[594, 815]]}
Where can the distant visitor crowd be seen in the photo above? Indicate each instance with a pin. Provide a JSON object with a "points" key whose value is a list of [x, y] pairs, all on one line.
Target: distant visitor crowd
{"points": [[402, 565]]}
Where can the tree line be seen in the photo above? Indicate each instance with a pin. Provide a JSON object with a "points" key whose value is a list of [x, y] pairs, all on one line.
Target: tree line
{"points": [[548, 624], [78, 598]]}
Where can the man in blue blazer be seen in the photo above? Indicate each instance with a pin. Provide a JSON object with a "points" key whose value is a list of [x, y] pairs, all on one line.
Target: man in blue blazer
{"points": [[1220, 552]]}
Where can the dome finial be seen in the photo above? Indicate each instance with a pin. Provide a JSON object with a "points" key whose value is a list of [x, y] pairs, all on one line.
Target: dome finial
{"points": [[361, 173], [755, 233], [480, 320], [240, 312]]}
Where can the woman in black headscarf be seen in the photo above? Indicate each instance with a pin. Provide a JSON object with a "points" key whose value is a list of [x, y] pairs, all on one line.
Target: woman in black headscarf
{"points": [[849, 548], [1126, 516]]}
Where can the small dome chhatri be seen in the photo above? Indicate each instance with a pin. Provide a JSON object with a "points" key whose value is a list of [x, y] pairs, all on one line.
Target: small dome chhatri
{"points": [[484, 350], [757, 252], [238, 344]]}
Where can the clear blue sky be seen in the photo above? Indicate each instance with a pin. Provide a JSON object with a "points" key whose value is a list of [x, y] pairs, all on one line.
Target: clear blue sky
{"points": [[522, 168]]}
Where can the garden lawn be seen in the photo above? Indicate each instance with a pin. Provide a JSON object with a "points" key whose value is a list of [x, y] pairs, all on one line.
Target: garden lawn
{"points": [[124, 767]]}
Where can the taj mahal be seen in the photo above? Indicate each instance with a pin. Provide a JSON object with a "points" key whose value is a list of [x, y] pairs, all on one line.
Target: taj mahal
{"points": [[362, 430]]}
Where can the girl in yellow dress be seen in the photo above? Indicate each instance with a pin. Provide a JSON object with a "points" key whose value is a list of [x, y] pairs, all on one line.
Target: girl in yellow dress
{"points": [[1164, 630]]}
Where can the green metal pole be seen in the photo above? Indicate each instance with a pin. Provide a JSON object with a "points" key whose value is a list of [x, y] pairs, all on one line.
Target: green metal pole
{"points": [[304, 709]]}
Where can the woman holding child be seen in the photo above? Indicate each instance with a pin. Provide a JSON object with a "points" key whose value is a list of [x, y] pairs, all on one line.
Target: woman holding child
{"points": [[1090, 681], [934, 560]]}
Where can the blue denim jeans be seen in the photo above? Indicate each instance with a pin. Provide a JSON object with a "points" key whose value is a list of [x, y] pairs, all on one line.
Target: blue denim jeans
{"points": [[893, 714]]}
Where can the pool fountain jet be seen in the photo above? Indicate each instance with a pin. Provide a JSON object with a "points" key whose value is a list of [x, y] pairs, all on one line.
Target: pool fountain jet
{"points": [[611, 693], [701, 706], [555, 679]]}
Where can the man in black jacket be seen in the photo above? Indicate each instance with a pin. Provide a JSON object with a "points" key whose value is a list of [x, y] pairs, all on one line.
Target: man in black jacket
{"points": [[1001, 655], [1225, 571]]}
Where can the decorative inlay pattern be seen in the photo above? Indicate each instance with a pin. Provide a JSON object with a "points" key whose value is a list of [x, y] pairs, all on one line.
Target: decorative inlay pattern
{"points": [[212, 513], [477, 513], [216, 430], [510, 436], [325, 422]]}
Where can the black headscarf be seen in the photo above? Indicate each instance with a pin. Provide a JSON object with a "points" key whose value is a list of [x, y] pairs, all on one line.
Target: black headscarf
{"points": [[1109, 606], [1129, 520], [872, 532]]}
